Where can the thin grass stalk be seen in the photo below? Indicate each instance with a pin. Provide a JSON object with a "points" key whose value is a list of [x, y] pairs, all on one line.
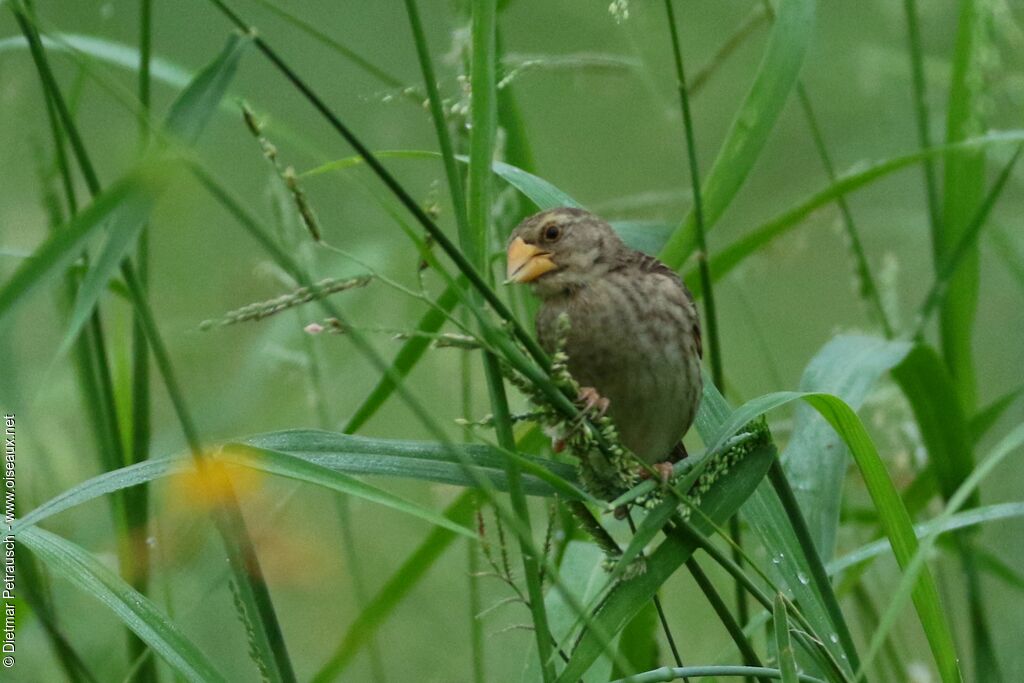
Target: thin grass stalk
{"points": [[758, 15], [437, 116], [750, 657], [477, 232], [476, 631], [866, 280], [474, 243], [711, 321], [309, 29], [137, 498], [227, 516], [710, 317], [920, 90], [864, 276]]}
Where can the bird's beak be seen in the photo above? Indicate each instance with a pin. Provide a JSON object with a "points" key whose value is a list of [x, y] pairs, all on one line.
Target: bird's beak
{"points": [[527, 262]]}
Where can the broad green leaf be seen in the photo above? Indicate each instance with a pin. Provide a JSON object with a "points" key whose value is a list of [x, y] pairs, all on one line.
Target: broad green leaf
{"points": [[50, 259], [293, 467], [541, 192], [428, 461], [898, 528], [338, 453], [638, 642], [391, 594], [815, 458], [892, 514], [790, 564], [752, 125], [136, 611], [646, 236]]}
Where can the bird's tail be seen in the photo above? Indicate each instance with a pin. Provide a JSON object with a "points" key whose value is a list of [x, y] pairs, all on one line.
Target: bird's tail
{"points": [[678, 452]]}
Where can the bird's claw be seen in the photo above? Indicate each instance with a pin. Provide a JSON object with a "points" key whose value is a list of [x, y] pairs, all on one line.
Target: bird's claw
{"points": [[591, 400], [664, 470]]}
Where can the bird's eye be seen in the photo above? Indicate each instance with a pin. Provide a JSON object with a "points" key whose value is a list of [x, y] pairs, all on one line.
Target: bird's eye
{"points": [[552, 233]]}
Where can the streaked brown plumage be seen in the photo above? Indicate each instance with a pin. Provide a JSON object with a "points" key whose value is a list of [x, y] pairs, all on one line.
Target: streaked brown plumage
{"points": [[635, 333]]}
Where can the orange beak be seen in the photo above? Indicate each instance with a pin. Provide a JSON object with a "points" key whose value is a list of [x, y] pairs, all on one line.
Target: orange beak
{"points": [[527, 262]]}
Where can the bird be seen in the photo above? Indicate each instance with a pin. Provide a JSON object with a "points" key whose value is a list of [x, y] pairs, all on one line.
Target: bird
{"points": [[634, 339]]}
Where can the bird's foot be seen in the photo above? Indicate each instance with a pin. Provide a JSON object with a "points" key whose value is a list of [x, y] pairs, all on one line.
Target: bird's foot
{"points": [[589, 400], [664, 470]]}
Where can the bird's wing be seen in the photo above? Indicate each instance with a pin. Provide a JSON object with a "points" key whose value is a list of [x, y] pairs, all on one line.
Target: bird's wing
{"points": [[650, 264]]}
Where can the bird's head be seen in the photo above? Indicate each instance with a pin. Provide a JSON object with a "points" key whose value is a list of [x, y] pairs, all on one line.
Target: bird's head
{"points": [[562, 249]]}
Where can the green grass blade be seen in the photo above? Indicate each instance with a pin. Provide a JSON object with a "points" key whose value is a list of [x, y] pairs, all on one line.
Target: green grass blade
{"points": [[915, 565], [783, 645], [752, 125], [131, 607], [963, 188], [726, 260], [425, 460], [965, 248], [582, 571], [405, 360], [192, 110], [987, 417], [108, 51], [789, 562], [668, 673], [932, 394], [638, 642], [57, 253], [961, 520], [897, 526], [283, 464], [815, 459], [123, 226], [339, 453], [991, 563]]}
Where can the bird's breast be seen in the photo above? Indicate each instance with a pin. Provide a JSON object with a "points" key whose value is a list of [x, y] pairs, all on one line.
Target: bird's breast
{"points": [[631, 338]]}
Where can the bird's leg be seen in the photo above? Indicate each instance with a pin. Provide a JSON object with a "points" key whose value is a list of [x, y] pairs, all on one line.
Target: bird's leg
{"points": [[589, 399]]}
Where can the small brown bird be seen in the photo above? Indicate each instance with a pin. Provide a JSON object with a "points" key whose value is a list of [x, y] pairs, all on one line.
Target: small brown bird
{"points": [[634, 340]]}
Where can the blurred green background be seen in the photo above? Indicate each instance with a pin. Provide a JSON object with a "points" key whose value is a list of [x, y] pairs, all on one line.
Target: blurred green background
{"points": [[610, 137]]}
